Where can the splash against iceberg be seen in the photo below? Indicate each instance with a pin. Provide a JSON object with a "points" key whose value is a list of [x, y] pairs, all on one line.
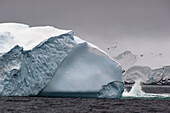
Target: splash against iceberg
{"points": [[53, 62]]}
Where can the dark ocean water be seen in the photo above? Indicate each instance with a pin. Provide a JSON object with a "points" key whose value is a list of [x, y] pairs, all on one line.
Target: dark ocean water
{"points": [[86, 105], [82, 105]]}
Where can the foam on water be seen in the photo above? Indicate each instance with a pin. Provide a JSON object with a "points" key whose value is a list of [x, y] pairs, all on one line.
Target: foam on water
{"points": [[137, 92]]}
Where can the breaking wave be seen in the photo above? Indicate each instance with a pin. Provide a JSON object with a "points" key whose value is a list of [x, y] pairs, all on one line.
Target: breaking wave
{"points": [[137, 92]]}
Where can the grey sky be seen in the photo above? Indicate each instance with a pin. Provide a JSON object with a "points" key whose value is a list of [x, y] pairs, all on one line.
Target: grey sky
{"points": [[102, 22]]}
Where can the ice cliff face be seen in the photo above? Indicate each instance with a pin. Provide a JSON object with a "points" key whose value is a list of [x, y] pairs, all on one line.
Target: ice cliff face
{"points": [[25, 73], [84, 70], [54, 61]]}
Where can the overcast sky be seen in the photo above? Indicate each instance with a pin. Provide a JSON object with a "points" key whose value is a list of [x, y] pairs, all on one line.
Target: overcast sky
{"points": [[102, 22]]}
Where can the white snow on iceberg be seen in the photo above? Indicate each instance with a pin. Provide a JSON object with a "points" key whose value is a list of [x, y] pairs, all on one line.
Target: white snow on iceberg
{"points": [[54, 61]]}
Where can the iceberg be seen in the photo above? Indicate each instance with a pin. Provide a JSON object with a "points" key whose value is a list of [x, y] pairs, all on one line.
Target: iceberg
{"points": [[134, 73], [126, 59], [46, 61], [148, 75]]}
